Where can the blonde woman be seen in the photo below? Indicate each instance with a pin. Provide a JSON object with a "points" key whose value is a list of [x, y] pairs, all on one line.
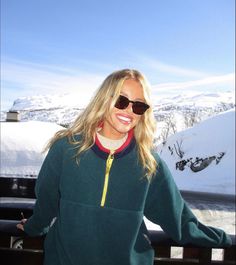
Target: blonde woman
{"points": [[101, 176]]}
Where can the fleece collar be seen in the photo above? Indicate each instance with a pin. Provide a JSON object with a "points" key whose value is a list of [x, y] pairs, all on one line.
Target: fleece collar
{"points": [[126, 147]]}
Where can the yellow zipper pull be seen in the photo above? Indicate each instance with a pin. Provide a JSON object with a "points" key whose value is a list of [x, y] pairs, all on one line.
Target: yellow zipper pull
{"points": [[108, 168]]}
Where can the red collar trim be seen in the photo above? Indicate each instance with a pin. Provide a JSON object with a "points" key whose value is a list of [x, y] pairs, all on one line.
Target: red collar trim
{"points": [[124, 145]]}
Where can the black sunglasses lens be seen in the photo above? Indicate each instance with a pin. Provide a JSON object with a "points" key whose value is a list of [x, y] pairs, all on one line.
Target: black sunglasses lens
{"points": [[139, 107], [122, 102]]}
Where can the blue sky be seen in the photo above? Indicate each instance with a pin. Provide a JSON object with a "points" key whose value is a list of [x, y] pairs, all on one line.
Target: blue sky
{"points": [[70, 46]]}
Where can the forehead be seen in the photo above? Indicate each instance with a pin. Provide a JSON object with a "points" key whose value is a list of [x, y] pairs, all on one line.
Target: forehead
{"points": [[133, 89]]}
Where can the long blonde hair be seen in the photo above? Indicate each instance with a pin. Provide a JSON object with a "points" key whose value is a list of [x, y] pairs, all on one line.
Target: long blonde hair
{"points": [[104, 100]]}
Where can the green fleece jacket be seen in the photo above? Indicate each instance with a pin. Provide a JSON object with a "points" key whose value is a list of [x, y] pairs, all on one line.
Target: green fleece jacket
{"points": [[93, 212]]}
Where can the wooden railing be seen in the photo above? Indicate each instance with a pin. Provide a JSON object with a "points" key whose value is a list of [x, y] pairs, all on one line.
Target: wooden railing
{"points": [[17, 248], [190, 254]]}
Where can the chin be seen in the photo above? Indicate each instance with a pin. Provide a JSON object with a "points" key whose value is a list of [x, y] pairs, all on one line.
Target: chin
{"points": [[122, 129]]}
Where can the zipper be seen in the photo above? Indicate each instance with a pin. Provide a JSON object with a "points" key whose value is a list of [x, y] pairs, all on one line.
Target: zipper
{"points": [[107, 173]]}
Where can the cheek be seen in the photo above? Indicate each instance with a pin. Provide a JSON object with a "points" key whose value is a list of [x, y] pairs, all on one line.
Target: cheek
{"points": [[137, 119], [110, 117]]}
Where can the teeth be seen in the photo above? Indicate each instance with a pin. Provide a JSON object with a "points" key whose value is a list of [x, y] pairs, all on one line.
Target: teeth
{"points": [[124, 118]]}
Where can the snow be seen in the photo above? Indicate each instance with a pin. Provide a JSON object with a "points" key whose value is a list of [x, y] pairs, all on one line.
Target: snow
{"points": [[208, 138], [68, 100], [22, 144]]}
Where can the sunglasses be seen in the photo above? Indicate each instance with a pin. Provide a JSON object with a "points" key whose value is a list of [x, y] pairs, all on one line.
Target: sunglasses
{"points": [[138, 107]]}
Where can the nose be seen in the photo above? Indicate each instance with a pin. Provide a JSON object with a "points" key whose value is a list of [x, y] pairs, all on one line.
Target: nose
{"points": [[129, 108]]}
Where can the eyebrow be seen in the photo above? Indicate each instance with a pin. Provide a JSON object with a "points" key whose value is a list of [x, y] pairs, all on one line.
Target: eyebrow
{"points": [[136, 99]]}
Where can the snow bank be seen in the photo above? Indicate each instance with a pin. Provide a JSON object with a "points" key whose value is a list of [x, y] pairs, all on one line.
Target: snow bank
{"points": [[22, 144], [208, 138]]}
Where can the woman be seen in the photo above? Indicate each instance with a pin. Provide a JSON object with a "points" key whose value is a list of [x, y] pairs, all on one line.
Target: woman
{"points": [[101, 176]]}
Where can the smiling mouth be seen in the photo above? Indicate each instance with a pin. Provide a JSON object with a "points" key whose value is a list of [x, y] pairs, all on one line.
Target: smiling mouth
{"points": [[123, 119]]}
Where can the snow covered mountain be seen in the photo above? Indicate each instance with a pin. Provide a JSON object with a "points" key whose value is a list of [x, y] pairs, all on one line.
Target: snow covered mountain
{"points": [[63, 109]]}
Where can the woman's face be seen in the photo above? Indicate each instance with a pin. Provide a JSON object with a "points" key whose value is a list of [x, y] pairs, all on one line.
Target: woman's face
{"points": [[119, 121]]}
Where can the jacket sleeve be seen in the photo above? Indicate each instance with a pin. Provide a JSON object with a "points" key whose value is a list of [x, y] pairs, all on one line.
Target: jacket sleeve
{"points": [[47, 193], [166, 207]]}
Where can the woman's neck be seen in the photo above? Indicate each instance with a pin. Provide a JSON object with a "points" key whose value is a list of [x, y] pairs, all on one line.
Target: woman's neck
{"points": [[111, 144]]}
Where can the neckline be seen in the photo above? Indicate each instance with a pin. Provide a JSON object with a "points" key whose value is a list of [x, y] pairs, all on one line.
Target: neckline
{"points": [[111, 144], [121, 148]]}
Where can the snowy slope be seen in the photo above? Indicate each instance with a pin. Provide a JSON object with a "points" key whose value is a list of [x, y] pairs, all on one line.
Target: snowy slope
{"points": [[207, 140]]}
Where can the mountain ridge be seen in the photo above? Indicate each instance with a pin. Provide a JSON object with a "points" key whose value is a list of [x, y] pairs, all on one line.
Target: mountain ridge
{"points": [[64, 108]]}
